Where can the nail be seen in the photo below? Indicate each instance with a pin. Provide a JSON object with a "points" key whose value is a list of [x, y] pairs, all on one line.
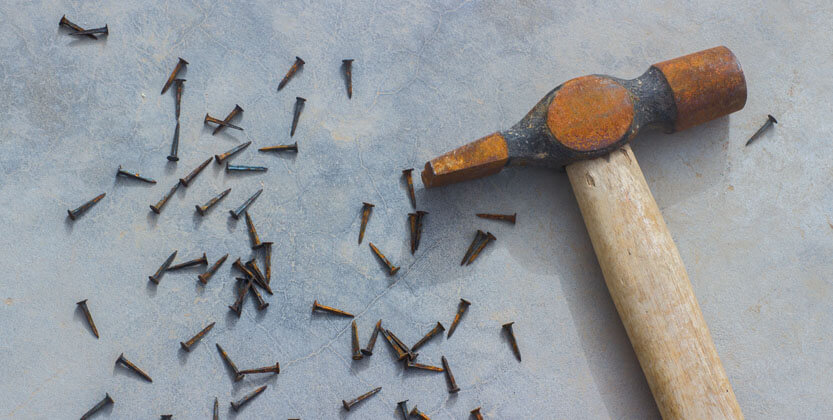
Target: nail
{"points": [[295, 66], [368, 350], [408, 352], [245, 400], [216, 409], [410, 180], [158, 206], [476, 414], [360, 398], [244, 168], [102, 30], [489, 237], [318, 307], [166, 417], [258, 277], [403, 409], [180, 85], [197, 261], [204, 208], [256, 243], [416, 413], [132, 175], [268, 262], [412, 221], [219, 122], [434, 331], [420, 214], [366, 209], [452, 384], [357, 353], [268, 369], [187, 345], [769, 121], [237, 306], [128, 364], [239, 265], [174, 145], [414, 365], [508, 328], [84, 207], [65, 22], [158, 275], [261, 304], [461, 309], [400, 354], [348, 76], [237, 109], [477, 238], [236, 213], [504, 217], [101, 404], [179, 65], [190, 177], [83, 305], [299, 106], [392, 269], [229, 363], [280, 148]]}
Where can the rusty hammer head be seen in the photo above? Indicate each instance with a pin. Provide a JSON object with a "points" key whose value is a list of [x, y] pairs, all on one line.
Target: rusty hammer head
{"points": [[590, 116]]}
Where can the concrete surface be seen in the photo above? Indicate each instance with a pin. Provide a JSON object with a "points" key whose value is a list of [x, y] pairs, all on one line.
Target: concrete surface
{"points": [[754, 224]]}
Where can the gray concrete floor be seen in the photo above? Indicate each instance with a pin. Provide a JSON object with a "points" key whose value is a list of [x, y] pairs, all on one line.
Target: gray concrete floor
{"points": [[754, 224]]}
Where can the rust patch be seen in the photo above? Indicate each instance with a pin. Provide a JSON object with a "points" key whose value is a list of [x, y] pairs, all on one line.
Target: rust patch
{"points": [[590, 113], [482, 157]]}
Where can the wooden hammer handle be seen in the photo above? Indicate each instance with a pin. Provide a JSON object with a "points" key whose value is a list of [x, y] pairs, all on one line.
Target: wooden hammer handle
{"points": [[650, 288]]}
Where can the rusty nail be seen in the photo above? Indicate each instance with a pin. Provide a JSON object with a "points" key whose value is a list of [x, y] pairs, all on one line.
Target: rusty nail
{"points": [[476, 414], [295, 66], [477, 238], [166, 417], [102, 30], [84, 207], [357, 353], [408, 352], [280, 148], [236, 405], [101, 404], [318, 307], [261, 304], [409, 179], [229, 363], [158, 206], [179, 65], [66, 23], [127, 363], [461, 309], [236, 213], [452, 384], [216, 409], [434, 331], [511, 333], [276, 369], [190, 177], [158, 275], [257, 275], [403, 409], [485, 241], [187, 345], [349, 404], [237, 306], [420, 214], [180, 85], [211, 270], [132, 175], [392, 269], [83, 305], [197, 261], [400, 354], [219, 122], [267, 269], [174, 146], [245, 168], [368, 350], [412, 222], [366, 209], [256, 243], [299, 106], [204, 208], [237, 109], [504, 217], [416, 413], [239, 265], [348, 76], [415, 365], [769, 121]]}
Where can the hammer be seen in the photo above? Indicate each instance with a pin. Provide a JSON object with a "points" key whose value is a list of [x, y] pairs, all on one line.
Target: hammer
{"points": [[585, 125]]}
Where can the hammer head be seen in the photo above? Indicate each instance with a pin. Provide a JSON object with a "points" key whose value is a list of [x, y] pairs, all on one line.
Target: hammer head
{"points": [[590, 116]]}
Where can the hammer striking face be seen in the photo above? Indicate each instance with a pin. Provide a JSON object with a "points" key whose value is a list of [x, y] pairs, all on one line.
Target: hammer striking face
{"points": [[591, 116]]}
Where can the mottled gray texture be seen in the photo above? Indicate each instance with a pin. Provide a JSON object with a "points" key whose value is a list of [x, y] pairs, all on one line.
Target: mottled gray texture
{"points": [[753, 224]]}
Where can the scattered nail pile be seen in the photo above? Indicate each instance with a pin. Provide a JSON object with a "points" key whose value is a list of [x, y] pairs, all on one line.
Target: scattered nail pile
{"points": [[254, 279]]}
